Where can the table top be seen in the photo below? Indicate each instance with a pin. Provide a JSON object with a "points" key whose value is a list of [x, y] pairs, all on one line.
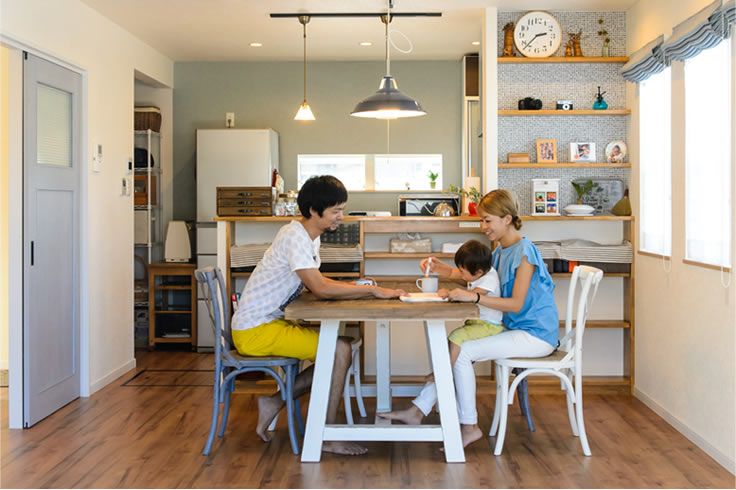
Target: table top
{"points": [[308, 307]]}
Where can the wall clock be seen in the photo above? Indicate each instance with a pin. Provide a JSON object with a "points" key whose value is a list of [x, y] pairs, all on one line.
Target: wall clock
{"points": [[537, 34]]}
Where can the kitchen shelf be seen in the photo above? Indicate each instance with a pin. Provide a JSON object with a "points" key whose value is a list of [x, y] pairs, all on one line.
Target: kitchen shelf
{"points": [[166, 321], [564, 165], [577, 218], [605, 274], [564, 59], [389, 255], [555, 112]]}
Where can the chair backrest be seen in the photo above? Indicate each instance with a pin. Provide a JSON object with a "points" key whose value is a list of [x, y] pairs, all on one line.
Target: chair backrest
{"points": [[215, 294], [583, 288]]}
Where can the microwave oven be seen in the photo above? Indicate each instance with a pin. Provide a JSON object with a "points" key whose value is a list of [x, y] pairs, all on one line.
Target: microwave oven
{"points": [[424, 204]]}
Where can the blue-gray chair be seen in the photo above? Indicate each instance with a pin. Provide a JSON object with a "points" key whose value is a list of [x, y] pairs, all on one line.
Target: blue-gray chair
{"points": [[229, 364]]}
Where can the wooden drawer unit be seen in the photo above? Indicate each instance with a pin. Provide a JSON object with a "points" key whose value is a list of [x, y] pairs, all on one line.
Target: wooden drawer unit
{"points": [[245, 201]]}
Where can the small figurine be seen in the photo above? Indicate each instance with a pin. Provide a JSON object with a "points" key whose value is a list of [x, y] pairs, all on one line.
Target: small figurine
{"points": [[568, 48], [575, 38], [508, 39], [600, 104]]}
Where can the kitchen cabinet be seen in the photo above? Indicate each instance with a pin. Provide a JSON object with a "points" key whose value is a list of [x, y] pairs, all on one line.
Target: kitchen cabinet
{"points": [[172, 304]]}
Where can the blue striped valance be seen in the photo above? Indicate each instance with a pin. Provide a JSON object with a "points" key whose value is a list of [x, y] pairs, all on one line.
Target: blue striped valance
{"points": [[694, 35], [723, 18], [645, 62]]}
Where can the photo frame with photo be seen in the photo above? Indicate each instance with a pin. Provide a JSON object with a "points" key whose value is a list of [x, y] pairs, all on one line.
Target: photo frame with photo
{"points": [[546, 195], [582, 152], [616, 151], [546, 151]]}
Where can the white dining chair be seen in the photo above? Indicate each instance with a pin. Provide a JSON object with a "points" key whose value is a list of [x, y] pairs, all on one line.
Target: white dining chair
{"points": [[354, 370], [565, 363]]}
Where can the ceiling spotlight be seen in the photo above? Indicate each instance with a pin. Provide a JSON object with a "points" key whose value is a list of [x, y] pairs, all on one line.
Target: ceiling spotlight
{"points": [[366, 43], [475, 43], [256, 45]]}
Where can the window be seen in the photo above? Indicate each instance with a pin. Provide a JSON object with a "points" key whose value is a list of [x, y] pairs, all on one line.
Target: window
{"points": [[708, 156], [655, 189], [374, 172], [350, 169]]}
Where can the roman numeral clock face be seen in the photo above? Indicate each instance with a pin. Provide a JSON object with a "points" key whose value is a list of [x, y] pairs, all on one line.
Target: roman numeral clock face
{"points": [[537, 35]]}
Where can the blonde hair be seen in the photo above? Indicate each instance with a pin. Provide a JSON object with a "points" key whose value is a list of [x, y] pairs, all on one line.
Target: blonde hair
{"points": [[501, 202]]}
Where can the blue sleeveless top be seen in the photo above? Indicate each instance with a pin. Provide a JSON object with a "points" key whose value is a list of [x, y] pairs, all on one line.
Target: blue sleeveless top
{"points": [[539, 315]]}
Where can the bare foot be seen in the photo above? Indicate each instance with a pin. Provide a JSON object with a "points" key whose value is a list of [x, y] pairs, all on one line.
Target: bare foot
{"points": [[429, 378], [409, 416], [268, 407], [346, 448], [470, 433]]}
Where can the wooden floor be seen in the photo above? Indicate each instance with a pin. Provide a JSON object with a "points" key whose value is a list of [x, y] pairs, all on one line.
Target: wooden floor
{"points": [[137, 435]]}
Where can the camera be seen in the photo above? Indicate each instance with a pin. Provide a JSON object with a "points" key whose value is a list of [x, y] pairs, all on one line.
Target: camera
{"points": [[530, 104], [564, 105]]}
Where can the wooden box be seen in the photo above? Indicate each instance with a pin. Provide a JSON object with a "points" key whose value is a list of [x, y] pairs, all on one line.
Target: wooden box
{"points": [[141, 190], [245, 201]]}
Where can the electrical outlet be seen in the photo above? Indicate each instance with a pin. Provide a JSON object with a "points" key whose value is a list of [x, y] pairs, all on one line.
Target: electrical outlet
{"points": [[229, 119], [124, 187], [97, 159]]}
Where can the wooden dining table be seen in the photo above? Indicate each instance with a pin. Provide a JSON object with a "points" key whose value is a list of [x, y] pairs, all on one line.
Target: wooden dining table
{"points": [[329, 314]]}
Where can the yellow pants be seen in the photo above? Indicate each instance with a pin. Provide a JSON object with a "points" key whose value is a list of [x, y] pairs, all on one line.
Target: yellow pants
{"points": [[474, 329], [277, 338]]}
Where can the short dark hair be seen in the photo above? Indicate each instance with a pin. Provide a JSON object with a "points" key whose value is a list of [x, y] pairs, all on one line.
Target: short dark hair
{"points": [[473, 256], [319, 193]]}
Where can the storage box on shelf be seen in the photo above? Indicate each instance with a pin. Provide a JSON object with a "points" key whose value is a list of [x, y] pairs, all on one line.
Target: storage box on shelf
{"points": [[172, 304], [375, 232]]}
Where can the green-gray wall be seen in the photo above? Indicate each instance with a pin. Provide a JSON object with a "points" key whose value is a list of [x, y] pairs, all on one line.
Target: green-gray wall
{"points": [[267, 95]]}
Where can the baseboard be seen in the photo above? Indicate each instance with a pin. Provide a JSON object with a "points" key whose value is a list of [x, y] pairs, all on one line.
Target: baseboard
{"points": [[4, 365], [112, 376], [722, 459]]}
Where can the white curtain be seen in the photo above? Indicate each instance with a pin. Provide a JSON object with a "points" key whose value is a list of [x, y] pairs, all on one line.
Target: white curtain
{"points": [[708, 156], [655, 189]]}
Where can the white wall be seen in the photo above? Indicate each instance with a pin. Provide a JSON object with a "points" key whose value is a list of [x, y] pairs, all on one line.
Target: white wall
{"points": [[685, 319], [4, 122], [107, 56]]}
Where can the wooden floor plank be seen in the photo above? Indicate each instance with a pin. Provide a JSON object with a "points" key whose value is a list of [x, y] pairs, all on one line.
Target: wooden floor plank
{"points": [[152, 436]]}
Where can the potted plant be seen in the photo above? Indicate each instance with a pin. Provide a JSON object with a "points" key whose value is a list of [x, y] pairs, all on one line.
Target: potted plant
{"points": [[433, 179], [473, 195], [581, 209]]}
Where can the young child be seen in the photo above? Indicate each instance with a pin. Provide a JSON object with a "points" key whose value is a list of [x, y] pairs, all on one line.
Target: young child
{"points": [[473, 261], [527, 300]]}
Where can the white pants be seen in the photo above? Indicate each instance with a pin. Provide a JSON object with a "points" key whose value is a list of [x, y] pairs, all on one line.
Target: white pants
{"points": [[510, 343]]}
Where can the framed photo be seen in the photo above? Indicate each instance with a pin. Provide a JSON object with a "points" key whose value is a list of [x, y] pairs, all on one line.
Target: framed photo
{"points": [[546, 194], [546, 151], [582, 152], [615, 151]]}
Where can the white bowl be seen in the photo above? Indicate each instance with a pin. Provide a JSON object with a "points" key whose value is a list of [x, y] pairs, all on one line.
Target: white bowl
{"points": [[579, 210]]}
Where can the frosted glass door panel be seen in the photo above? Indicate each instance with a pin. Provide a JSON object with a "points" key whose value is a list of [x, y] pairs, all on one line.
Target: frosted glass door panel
{"points": [[54, 126]]}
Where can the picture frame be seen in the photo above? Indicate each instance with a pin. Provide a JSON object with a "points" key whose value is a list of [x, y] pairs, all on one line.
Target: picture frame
{"points": [[616, 151], [546, 151], [546, 197], [582, 152]]}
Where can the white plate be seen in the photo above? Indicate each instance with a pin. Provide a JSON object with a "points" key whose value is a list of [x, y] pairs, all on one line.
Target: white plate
{"points": [[580, 214], [421, 298]]}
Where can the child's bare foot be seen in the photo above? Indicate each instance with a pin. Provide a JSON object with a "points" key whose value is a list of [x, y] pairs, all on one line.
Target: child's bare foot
{"points": [[346, 448], [409, 416], [429, 378], [268, 407]]}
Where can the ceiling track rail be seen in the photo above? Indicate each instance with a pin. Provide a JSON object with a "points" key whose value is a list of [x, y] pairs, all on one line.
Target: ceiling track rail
{"points": [[357, 14]]}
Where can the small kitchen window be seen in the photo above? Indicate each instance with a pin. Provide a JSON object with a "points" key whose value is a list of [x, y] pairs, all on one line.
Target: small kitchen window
{"points": [[369, 172]]}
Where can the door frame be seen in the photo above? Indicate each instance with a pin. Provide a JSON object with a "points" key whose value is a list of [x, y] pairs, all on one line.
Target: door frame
{"points": [[15, 229]]}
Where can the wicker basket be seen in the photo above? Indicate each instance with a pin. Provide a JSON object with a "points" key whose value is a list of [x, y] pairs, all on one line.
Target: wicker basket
{"points": [[147, 118]]}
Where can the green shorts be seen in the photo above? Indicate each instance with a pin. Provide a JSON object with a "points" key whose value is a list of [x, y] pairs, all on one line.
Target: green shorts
{"points": [[474, 329]]}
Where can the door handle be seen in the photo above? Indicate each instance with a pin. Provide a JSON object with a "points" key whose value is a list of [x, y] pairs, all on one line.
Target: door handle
{"points": [[31, 252]]}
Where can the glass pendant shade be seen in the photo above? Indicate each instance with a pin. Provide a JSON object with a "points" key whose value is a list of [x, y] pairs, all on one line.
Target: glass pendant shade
{"points": [[388, 103], [304, 113]]}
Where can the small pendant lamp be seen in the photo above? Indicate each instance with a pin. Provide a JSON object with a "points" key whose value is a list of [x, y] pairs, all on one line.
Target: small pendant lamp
{"points": [[305, 112], [388, 102]]}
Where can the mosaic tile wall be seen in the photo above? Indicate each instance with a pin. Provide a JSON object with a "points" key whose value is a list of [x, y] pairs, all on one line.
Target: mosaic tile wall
{"points": [[551, 82]]}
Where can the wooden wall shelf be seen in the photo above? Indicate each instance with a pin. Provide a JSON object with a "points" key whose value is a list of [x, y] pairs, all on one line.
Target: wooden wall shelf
{"points": [[564, 165], [554, 112], [564, 59]]}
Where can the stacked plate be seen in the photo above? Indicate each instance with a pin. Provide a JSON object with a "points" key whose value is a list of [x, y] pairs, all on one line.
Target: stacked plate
{"points": [[579, 210]]}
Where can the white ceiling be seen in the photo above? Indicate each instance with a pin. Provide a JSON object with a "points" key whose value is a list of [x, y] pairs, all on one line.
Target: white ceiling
{"points": [[221, 30]]}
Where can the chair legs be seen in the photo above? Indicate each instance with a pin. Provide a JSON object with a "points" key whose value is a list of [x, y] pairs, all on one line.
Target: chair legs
{"points": [[215, 413], [503, 408], [522, 392], [353, 370]]}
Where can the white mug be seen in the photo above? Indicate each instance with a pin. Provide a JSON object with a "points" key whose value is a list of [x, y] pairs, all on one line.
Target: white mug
{"points": [[427, 284]]}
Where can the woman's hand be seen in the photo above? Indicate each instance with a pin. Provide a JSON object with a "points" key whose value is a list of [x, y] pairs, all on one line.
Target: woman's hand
{"points": [[462, 295], [435, 265], [443, 293], [386, 293]]}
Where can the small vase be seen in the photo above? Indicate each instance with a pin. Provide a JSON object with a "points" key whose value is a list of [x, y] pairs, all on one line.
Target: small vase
{"points": [[605, 52], [432, 185], [473, 208], [600, 104], [577, 51]]}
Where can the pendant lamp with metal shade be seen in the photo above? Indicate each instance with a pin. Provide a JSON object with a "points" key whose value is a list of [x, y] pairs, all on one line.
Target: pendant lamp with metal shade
{"points": [[388, 102], [305, 112]]}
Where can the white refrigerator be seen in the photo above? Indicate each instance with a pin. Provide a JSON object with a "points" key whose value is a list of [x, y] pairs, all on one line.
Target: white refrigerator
{"points": [[226, 158]]}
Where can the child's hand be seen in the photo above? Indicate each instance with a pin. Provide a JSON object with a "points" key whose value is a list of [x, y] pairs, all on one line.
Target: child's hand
{"points": [[443, 293], [462, 295]]}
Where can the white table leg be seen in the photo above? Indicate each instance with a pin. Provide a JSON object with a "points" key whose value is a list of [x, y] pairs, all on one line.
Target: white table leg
{"points": [[320, 394], [383, 366], [440, 355]]}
